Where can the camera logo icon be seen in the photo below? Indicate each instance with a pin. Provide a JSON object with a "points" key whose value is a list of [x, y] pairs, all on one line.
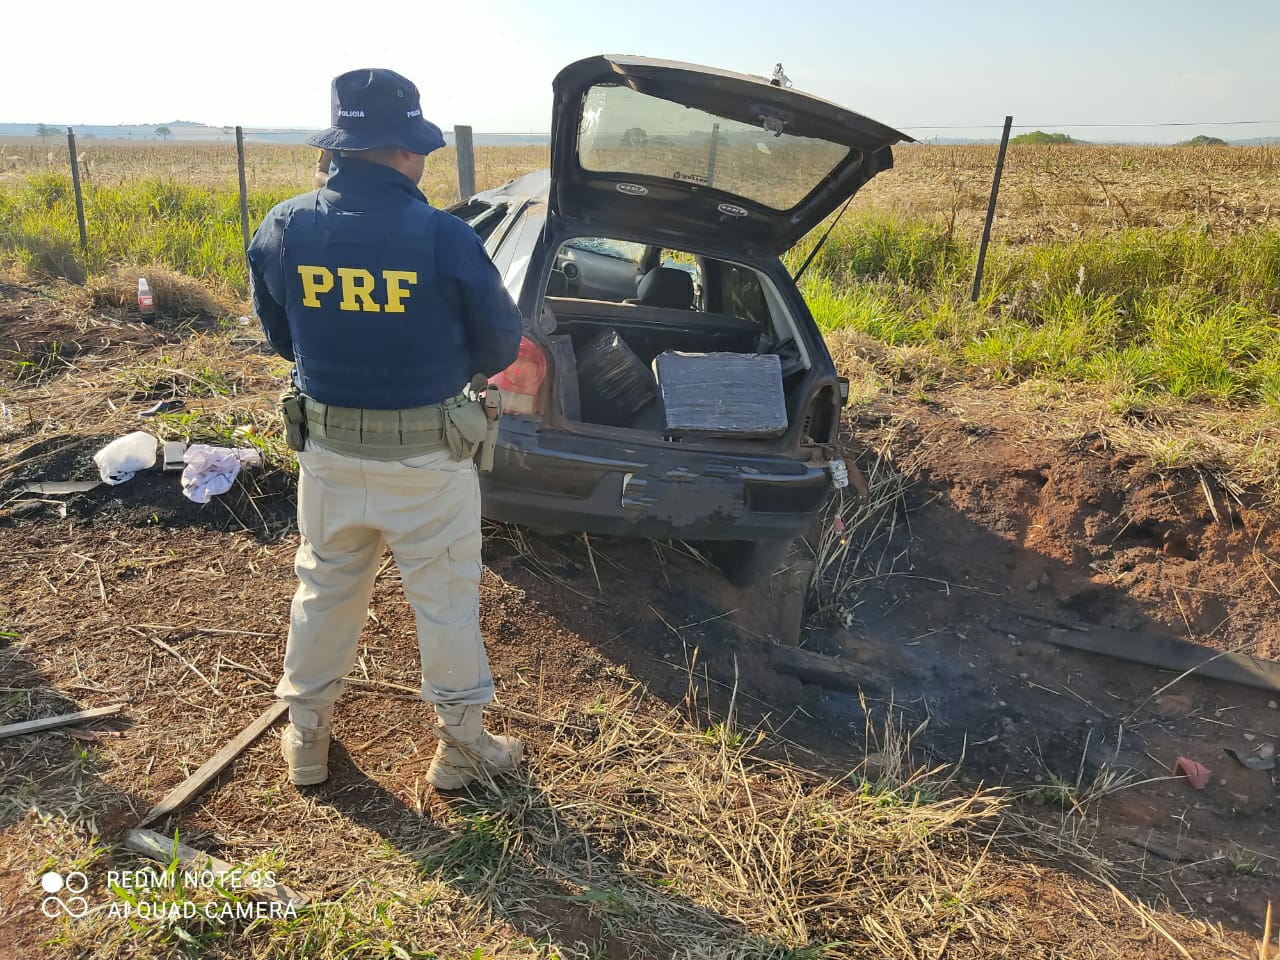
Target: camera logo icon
{"points": [[72, 885]]}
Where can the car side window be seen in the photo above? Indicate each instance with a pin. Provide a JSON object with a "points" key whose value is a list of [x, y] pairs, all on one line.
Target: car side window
{"points": [[742, 295], [488, 222]]}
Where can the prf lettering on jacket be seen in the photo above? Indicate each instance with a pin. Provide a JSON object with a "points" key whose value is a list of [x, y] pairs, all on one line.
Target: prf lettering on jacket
{"points": [[358, 287]]}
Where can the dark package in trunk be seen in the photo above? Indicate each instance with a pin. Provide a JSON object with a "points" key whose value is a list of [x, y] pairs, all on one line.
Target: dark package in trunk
{"points": [[722, 394], [566, 375], [614, 383]]}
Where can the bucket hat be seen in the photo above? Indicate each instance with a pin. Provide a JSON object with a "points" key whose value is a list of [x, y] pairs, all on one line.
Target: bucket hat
{"points": [[375, 108]]}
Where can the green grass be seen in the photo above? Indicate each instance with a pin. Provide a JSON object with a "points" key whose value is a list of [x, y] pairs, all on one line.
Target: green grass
{"points": [[193, 229], [1175, 313]]}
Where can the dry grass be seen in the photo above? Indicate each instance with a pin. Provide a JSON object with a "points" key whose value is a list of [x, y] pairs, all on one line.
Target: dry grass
{"points": [[1049, 192], [209, 370], [633, 834], [177, 297], [635, 831], [1057, 192], [856, 544], [268, 167]]}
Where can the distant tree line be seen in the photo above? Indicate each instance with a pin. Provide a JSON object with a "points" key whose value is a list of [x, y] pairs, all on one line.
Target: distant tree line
{"points": [[44, 131], [1039, 137]]}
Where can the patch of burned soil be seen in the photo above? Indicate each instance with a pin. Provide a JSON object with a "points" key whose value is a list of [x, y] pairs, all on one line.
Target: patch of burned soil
{"points": [[1009, 538], [260, 500], [55, 458]]}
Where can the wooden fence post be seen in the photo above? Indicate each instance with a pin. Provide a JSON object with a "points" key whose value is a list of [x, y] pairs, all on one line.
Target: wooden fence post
{"points": [[75, 185], [711, 154], [466, 162], [244, 192], [991, 210]]}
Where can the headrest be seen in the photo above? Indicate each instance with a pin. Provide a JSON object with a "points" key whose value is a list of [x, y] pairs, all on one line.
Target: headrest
{"points": [[666, 287]]}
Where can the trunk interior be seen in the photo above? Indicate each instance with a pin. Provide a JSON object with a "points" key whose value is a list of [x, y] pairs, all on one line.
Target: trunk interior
{"points": [[605, 372]]}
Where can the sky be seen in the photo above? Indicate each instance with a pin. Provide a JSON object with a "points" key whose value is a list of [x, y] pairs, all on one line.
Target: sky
{"points": [[928, 67]]}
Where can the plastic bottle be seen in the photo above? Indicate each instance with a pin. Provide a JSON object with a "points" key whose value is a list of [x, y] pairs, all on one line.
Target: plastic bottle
{"points": [[146, 302]]}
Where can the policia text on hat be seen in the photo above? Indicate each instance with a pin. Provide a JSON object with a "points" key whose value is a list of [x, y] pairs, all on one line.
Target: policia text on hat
{"points": [[387, 307]]}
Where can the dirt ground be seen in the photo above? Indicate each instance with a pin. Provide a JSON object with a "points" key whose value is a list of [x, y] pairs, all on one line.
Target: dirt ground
{"points": [[998, 539]]}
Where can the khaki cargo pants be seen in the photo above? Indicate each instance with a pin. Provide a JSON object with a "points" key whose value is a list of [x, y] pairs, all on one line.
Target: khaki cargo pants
{"points": [[427, 510]]}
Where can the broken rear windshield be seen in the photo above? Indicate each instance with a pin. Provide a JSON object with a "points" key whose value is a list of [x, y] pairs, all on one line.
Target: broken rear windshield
{"points": [[622, 131]]}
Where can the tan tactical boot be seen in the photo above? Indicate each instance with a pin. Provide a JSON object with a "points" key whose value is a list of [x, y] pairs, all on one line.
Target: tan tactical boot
{"points": [[466, 752], [305, 745]]}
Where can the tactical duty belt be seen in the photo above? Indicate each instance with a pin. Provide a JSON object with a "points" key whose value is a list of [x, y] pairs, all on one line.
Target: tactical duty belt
{"points": [[377, 434]]}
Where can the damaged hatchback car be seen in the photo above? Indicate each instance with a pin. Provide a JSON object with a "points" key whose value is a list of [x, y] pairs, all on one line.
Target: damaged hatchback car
{"points": [[671, 382]]}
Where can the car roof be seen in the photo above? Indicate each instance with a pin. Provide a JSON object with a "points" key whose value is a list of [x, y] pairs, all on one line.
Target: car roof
{"points": [[531, 186]]}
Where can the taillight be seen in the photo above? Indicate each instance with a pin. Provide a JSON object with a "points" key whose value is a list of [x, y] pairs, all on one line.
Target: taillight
{"points": [[521, 381]]}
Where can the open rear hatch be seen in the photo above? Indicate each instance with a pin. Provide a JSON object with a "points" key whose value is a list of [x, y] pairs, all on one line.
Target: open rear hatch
{"points": [[703, 155]]}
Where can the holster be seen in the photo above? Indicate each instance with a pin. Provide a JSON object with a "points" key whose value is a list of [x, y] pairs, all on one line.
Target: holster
{"points": [[295, 420], [465, 426], [492, 413]]}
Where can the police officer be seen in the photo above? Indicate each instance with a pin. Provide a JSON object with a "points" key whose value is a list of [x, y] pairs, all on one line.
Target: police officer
{"points": [[387, 307]]}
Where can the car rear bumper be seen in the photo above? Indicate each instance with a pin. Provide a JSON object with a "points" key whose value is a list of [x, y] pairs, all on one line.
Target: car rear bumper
{"points": [[561, 481]]}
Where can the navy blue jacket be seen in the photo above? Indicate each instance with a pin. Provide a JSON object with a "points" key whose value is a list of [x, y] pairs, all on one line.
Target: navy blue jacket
{"points": [[380, 300]]}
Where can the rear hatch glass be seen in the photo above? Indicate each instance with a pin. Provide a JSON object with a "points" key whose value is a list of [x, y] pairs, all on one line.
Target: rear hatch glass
{"points": [[679, 150], [626, 132]]}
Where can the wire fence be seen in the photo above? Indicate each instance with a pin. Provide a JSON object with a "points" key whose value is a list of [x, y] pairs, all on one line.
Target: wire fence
{"points": [[462, 151], [1052, 193]]}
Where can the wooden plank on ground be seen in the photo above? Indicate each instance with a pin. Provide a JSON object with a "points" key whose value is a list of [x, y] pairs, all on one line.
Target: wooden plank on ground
{"points": [[1162, 651], [795, 587], [816, 668], [189, 787], [159, 847], [49, 723]]}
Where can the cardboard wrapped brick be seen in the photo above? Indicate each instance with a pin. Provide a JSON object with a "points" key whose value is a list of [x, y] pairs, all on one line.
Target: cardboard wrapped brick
{"points": [[721, 394]]}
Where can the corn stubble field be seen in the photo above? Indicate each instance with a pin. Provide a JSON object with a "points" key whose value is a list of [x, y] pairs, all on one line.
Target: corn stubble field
{"points": [[1131, 291]]}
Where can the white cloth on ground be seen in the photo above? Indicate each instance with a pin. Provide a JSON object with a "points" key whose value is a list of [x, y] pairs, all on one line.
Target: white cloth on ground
{"points": [[210, 470]]}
